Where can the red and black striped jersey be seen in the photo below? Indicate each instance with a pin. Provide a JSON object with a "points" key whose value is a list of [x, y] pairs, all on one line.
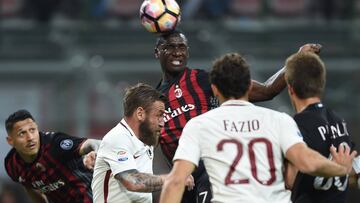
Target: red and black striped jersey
{"points": [[58, 170], [189, 95]]}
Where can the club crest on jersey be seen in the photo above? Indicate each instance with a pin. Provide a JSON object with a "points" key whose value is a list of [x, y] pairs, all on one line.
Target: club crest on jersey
{"points": [[177, 91], [66, 144]]}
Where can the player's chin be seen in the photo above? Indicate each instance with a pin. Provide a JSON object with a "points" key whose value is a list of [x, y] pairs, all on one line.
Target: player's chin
{"points": [[176, 68]]}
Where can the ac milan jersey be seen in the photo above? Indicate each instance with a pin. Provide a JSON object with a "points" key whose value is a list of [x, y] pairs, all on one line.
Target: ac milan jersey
{"points": [[243, 148], [58, 171], [320, 128], [189, 95]]}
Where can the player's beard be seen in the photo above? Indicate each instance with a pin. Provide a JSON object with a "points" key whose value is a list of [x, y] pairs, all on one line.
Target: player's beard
{"points": [[147, 135]]}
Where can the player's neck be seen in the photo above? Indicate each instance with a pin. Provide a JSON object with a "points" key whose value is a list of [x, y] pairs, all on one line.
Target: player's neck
{"points": [[27, 158], [222, 99], [134, 125], [168, 76], [301, 104]]}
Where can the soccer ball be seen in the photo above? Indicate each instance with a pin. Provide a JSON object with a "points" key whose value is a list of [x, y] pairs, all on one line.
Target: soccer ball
{"points": [[159, 16]]}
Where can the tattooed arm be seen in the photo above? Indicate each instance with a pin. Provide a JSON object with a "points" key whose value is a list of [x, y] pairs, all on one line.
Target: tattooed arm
{"points": [[135, 181]]}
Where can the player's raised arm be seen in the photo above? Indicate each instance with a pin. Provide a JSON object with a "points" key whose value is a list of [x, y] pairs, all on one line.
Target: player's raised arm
{"points": [[276, 83]]}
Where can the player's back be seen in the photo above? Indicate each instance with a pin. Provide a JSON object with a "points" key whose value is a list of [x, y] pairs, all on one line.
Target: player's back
{"points": [[321, 128], [243, 146]]}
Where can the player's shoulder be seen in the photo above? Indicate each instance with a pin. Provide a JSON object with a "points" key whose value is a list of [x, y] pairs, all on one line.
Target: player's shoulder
{"points": [[274, 114], [53, 137], [11, 164], [118, 133], [10, 157]]}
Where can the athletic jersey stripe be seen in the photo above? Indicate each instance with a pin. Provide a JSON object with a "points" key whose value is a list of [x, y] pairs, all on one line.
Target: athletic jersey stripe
{"points": [[47, 157], [194, 90], [106, 185], [54, 196], [180, 120], [200, 87], [66, 174], [173, 125], [193, 99], [10, 167]]}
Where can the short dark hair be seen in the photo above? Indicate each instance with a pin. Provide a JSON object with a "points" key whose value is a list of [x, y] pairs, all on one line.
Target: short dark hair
{"points": [[15, 117], [165, 36], [306, 73], [140, 95], [231, 75]]}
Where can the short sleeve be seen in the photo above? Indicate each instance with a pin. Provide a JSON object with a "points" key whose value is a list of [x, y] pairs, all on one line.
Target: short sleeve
{"points": [[289, 132], [66, 146], [189, 143], [118, 154]]}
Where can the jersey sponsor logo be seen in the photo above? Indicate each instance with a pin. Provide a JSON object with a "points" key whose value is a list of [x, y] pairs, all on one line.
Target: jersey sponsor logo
{"points": [[66, 144], [43, 188], [177, 91], [172, 113]]}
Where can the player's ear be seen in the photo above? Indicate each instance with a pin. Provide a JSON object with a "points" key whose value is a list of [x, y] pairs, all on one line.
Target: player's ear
{"points": [[157, 52], [250, 86], [140, 113], [215, 90], [10, 140], [290, 90]]}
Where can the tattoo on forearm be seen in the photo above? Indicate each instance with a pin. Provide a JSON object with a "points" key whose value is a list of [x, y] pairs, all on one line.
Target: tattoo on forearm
{"points": [[141, 182]]}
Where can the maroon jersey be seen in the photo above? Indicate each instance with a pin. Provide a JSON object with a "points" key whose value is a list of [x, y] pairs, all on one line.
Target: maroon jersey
{"points": [[58, 170], [189, 95]]}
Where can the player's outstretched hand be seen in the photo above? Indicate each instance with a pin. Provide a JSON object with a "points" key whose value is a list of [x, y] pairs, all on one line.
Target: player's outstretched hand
{"points": [[190, 182], [89, 160], [343, 156], [315, 48]]}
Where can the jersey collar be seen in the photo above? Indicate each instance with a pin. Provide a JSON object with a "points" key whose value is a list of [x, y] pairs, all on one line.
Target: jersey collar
{"points": [[127, 127], [236, 102]]}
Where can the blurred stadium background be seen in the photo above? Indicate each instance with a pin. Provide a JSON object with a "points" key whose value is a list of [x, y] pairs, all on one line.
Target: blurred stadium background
{"points": [[68, 61]]}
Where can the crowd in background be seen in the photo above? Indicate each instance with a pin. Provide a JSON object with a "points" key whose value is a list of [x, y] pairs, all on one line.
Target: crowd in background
{"points": [[45, 10]]}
